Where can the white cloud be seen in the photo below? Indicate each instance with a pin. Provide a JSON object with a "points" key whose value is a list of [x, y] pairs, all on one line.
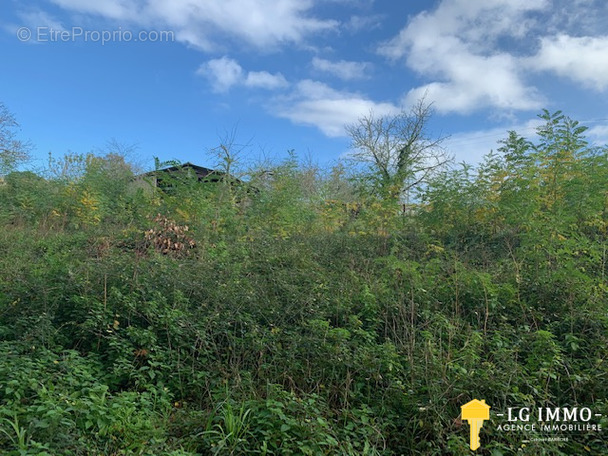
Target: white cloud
{"points": [[343, 69], [316, 104], [112, 9], [476, 82], [37, 18], [358, 23], [265, 80], [309, 102], [576, 17], [225, 73], [581, 59], [456, 44], [264, 24], [472, 146], [598, 135]]}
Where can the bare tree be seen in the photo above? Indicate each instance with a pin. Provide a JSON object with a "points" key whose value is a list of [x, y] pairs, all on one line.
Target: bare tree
{"points": [[398, 149], [12, 150], [229, 153]]}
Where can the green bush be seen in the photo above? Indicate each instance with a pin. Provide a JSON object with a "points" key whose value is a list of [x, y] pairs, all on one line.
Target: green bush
{"points": [[293, 315]]}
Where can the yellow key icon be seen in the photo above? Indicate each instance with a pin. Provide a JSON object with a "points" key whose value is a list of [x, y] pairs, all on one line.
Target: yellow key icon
{"points": [[475, 412]]}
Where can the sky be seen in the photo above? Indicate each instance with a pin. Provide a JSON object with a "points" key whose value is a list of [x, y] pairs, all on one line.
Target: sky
{"points": [[175, 78]]}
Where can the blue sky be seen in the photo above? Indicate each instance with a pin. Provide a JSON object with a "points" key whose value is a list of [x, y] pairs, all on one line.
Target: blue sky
{"points": [[289, 74]]}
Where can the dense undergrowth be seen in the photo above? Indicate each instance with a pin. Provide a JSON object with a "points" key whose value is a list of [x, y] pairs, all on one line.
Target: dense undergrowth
{"points": [[298, 315]]}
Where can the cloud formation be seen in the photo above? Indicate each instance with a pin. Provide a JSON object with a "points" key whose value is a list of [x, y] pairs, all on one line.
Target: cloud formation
{"points": [[466, 56], [263, 24], [35, 18], [316, 104], [345, 70], [582, 59], [308, 102], [456, 45], [225, 73], [472, 146]]}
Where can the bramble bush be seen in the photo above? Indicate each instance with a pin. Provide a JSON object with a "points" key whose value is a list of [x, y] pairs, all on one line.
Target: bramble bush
{"points": [[298, 313]]}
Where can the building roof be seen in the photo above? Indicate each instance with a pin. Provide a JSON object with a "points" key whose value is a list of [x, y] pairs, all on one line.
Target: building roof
{"points": [[200, 171]]}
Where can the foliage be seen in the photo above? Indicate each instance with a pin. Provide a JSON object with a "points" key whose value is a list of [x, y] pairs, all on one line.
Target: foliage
{"points": [[13, 151], [290, 315]]}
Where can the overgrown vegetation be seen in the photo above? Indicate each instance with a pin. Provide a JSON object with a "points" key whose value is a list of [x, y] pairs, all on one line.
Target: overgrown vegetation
{"points": [[298, 314]]}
